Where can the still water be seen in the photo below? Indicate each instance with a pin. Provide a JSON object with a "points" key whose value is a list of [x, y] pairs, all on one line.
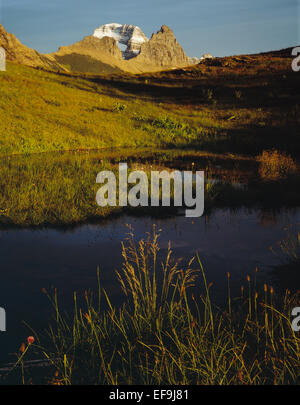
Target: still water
{"points": [[226, 241]]}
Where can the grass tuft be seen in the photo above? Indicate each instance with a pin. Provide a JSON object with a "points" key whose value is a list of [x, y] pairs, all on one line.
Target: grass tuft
{"points": [[276, 165], [166, 333]]}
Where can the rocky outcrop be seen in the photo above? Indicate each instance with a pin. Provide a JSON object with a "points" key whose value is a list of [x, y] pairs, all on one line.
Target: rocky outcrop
{"points": [[19, 53], [163, 50], [194, 60], [129, 35], [206, 56]]}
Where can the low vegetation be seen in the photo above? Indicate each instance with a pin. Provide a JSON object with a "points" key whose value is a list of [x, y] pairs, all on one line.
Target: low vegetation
{"points": [[275, 165], [60, 189], [168, 331], [232, 107]]}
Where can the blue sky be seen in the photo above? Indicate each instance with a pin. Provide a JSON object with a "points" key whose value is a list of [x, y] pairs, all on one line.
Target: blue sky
{"points": [[220, 27]]}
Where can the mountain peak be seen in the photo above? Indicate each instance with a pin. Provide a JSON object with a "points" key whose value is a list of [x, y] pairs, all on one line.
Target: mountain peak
{"points": [[140, 53], [129, 35], [163, 50], [100, 53], [166, 29]]}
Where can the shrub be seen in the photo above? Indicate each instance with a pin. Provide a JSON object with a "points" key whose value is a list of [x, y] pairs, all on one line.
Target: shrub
{"points": [[167, 123], [118, 107], [276, 165]]}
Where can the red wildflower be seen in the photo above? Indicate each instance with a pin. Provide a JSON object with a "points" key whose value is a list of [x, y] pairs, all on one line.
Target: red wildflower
{"points": [[30, 340]]}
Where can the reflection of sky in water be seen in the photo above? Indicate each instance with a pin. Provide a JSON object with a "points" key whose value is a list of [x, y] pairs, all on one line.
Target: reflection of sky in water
{"points": [[30, 260]]}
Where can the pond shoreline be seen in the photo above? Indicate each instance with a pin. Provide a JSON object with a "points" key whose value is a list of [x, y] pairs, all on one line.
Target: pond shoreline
{"points": [[60, 191]]}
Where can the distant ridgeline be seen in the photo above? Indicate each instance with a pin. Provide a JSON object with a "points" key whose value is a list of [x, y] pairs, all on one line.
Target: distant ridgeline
{"points": [[112, 48]]}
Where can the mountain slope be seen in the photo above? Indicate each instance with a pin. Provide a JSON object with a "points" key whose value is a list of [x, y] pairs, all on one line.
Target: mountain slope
{"points": [[101, 54], [92, 55], [163, 50], [19, 53], [240, 104]]}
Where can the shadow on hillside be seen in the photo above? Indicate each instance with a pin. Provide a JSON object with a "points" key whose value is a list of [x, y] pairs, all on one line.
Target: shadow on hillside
{"points": [[275, 92], [85, 64]]}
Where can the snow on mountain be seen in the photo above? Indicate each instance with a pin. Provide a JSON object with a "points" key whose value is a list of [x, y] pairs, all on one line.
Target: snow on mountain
{"points": [[129, 35]]}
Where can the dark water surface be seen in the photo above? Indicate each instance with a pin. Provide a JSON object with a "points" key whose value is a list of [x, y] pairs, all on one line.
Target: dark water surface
{"points": [[235, 241]]}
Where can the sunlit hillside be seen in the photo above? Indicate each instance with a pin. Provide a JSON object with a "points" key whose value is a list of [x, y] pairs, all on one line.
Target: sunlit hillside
{"points": [[238, 104]]}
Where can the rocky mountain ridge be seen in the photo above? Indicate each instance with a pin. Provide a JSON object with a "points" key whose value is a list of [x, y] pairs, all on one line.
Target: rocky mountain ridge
{"points": [[161, 51], [100, 53], [129, 35], [19, 53]]}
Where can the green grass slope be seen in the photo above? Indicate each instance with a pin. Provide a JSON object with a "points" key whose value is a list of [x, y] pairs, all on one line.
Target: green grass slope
{"points": [[239, 104]]}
